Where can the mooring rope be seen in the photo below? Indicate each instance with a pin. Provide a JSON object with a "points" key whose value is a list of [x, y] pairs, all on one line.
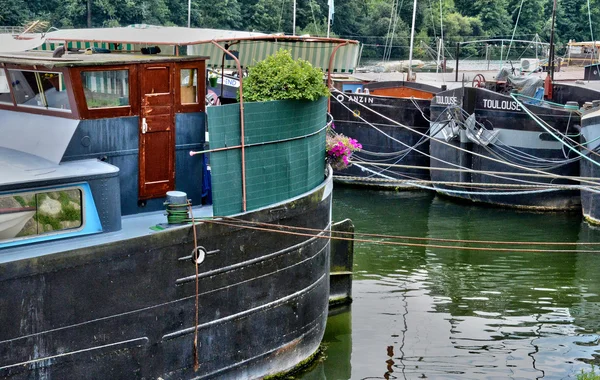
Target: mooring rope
{"points": [[195, 258], [557, 176], [400, 237], [395, 243]]}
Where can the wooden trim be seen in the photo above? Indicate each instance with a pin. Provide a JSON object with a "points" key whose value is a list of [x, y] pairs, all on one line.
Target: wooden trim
{"points": [[10, 90], [38, 111], [109, 112], [200, 65], [71, 114]]}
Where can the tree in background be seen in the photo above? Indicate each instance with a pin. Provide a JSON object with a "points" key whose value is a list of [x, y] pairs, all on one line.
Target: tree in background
{"points": [[365, 20], [495, 20]]}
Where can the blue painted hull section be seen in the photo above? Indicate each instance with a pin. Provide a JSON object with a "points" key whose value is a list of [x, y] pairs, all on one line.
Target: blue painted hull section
{"points": [[116, 142]]}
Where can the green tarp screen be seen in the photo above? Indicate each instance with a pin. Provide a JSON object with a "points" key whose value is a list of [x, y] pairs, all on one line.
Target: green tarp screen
{"points": [[285, 152]]}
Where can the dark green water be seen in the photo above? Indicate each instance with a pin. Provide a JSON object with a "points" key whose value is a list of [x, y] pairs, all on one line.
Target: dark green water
{"points": [[422, 312]]}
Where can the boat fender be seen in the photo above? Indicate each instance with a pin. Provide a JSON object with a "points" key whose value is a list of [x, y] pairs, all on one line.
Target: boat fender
{"points": [[449, 131]]}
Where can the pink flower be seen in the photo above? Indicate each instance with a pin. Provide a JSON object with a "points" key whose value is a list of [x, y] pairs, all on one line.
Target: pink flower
{"points": [[339, 150]]}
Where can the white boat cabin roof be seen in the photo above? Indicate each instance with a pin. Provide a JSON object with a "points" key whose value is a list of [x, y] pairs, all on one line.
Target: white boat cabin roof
{"points": [[74, 59]]}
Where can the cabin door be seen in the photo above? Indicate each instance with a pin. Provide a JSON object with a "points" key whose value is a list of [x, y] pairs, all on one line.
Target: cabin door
{"points": [[156, 130]]}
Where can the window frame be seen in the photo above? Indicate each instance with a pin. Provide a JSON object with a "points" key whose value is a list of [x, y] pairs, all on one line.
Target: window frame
{"points": [[106, 112], [37, 192], [69, 114], [200, 66]]}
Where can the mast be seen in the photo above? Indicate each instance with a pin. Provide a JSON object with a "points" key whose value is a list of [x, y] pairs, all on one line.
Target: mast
{"points": [[412, 39], [551, 53], [294, 20], [189, 13], [329, 16], [441, 41]]}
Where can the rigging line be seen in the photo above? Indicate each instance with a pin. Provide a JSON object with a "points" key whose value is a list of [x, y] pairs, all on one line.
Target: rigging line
{"points": [[197, 307], [413, 148], [481, 171], [373, 172], [432, 21], [492, 242], [538, 159], [548, 129], [591, 33], [396, 18], [380, 173], [387, 36], [394, 243], [473, 185], [280, 15], [515, 29], [313, 15], [487, 193], [334, 90]]}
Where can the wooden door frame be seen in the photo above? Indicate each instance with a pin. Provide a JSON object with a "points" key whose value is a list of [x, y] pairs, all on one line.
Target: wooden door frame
{"points": [[141, 149]]}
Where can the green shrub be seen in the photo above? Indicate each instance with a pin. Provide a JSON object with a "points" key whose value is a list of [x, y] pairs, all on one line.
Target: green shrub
{"points": [[280, 77], [588, 375]]}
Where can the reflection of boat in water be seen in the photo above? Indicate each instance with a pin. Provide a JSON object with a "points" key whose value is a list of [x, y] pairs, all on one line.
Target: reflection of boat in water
{"points": [[105, 287], [370, 112], [491, 140]]}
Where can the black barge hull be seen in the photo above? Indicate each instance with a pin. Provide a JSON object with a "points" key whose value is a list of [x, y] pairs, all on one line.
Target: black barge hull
{"points": [[590, 167], [475, 178], [126, 308], [385, 143]]}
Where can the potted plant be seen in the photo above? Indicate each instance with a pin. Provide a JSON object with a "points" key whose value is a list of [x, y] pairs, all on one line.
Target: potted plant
{"points": [[285, 114], [212, 78], [339, 149]]}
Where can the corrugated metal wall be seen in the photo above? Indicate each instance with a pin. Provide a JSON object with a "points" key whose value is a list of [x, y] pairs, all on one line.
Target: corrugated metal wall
{"points": [[250, 52]]}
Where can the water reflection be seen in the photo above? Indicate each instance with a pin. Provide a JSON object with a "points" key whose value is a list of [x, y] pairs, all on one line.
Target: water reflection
{"points": [[461, 314]]}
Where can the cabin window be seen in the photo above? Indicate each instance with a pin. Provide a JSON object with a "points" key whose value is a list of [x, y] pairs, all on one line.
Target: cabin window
{"points": [[106, 89], [4, 89], [39, 89], [38, 213], [189, 86]]}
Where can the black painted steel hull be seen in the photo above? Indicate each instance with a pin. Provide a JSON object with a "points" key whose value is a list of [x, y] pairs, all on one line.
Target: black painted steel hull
{"points": [[590, 197], [386, 143], [126, 308], [515, 130]]}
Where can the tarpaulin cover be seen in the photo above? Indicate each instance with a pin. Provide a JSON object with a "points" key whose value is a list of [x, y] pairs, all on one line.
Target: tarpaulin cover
{"points": [[525, 85], [289, 159]]}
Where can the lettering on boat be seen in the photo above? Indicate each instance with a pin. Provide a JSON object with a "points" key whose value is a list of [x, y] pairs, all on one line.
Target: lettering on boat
{"points": [[229, 82], [495, 104], [439, 99], [360, 99]]}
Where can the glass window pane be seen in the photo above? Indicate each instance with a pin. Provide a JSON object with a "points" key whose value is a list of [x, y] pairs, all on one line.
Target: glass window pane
{"points": [[39, 89], [4, 89], [189, 86], [104, 89], [32, 214]]}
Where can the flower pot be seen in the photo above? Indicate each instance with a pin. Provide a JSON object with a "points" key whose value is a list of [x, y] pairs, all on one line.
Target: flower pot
{"points": [[213, 81]]}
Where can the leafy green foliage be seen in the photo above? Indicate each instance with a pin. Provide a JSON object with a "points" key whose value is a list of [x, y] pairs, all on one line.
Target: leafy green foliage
{"points": [[592, 375], [365, 20], [281, 77]]}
